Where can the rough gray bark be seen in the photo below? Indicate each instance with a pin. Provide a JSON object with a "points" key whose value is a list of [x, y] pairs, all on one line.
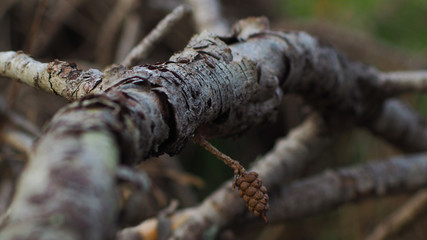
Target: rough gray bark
{"points": [[281, 165], [217, 86], [67, 192], [401, 125], [335, 187]]}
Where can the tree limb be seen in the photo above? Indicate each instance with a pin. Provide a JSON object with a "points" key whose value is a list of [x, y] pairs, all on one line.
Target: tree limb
{"points": [[336, 187], [401, 126], [394, 83], [58, 77], [283, 164], [219, 86], [141, 51], [207, 16]]}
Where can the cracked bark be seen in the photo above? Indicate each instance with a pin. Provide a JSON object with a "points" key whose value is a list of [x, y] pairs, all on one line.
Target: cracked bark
{"points": [[335, 187], [219, 86]]}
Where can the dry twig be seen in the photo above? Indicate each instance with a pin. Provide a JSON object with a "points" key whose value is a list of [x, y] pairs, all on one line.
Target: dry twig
{"points": [[394, 83], [18, 139], [207, 16], [129, 37], [282, 164], [401, 217], [141, 51], [60, 12], [110, 29], [249, 184]]}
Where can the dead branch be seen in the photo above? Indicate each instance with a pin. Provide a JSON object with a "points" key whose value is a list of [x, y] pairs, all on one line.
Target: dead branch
{"points": [[129, 37], [305, 197], [283, 164], [395, 83], [336, 187], [401, 217], [18, 139], [110, 29], [62, 10], [401, 126], [219, 86], [144, 48], [57, 77], [207, 16]]}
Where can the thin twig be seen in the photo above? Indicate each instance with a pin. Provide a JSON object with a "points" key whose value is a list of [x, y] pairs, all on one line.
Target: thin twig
{"points": [[144, 48], [235, 165], [23, 123], [60, 12], [207, 16], [28, 48], [281, 165], [393, 83], [18, 139], [401, 217], [110, 29], [129, 37], [35, 26], [249, 185]]}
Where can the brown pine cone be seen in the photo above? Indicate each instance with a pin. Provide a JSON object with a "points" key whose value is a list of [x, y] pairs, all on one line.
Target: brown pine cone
{"points": [[253, 193]]}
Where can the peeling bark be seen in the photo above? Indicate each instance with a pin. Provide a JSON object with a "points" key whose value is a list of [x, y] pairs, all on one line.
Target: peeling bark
{"points": [[218, 86]]}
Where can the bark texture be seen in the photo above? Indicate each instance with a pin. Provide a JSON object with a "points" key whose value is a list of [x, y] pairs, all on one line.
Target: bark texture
{"points": [[281, 165], [335, 187], [217, 86]]}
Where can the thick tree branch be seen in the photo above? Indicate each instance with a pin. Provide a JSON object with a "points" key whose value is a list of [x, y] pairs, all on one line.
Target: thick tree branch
{"points": [[69, 161], [283, 164], [217, 86], [336, 187], [400, 125], [301, 198]]}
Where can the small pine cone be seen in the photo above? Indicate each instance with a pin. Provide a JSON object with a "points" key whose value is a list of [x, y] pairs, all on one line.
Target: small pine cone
{"points": [[254, 194]]}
